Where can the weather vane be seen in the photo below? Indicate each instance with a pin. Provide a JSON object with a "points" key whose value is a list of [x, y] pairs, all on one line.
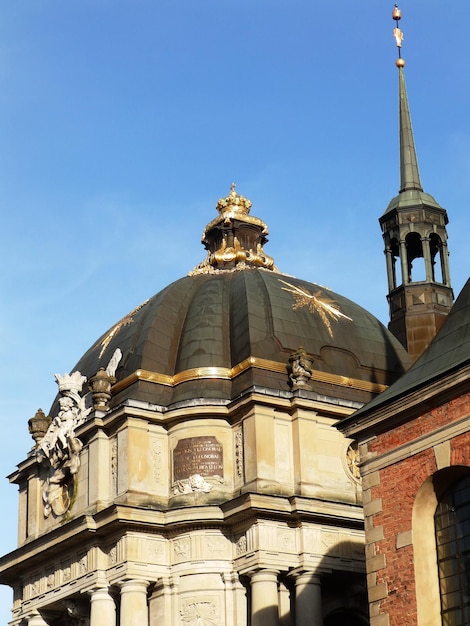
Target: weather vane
{"points": [[398, 34]]}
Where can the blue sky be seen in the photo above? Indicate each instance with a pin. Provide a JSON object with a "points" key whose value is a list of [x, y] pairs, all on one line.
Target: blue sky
{"points": [[122, 122]]}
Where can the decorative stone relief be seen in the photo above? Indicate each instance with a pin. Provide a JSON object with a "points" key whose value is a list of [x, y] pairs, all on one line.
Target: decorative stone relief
{"points": [[239, 452], [156, 551], [331, 542], [50, 580], [342, 545], [35, 588], [112, 555], [352, 461], [241, 546], [66, 573], [311, 540], [215, 545], [197, 612], [194, 483], [83, 565], [59, 449], [286, 540], [182, 549], [413, 217], [113, 464], [157, 453]]}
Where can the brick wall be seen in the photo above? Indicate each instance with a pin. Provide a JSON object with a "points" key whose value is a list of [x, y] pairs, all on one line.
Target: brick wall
{"points": [[390, 489], [430, 421]]}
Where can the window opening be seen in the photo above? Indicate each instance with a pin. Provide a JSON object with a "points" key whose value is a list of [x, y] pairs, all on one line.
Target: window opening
{"points": [[435, 244], [415, 258], [452, 528]]}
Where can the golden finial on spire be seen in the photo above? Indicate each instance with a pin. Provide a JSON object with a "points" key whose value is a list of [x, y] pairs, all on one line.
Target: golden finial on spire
{"points": [[398, 34]]}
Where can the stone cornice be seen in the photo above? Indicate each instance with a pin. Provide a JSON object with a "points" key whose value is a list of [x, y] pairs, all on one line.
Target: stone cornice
{"points": [[119, 519]]}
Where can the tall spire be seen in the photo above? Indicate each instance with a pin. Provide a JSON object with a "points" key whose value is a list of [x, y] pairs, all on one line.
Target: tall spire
{"points": [[415, 237], [409, 171]]}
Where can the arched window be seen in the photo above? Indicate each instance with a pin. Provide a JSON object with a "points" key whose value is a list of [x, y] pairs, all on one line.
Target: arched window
{"points": [[415, 258], [452, 529], [437, 258], [394, 255]]}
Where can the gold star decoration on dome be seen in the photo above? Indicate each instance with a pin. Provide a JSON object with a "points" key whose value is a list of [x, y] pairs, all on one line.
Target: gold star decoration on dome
{"points": [[126, 320], [316, 302]]}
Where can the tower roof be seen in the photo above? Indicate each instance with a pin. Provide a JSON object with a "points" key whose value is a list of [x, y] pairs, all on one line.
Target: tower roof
{"points": [[411, 194], [409, 171], [447, 353]]}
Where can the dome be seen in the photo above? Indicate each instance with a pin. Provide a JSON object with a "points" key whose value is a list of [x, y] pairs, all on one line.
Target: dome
{"points": [[235, 323]]}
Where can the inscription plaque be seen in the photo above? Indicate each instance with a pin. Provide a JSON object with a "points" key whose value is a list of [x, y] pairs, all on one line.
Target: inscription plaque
{"points": [[198, 455]]}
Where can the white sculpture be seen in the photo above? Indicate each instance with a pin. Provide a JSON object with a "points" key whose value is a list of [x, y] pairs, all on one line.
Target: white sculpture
{"points": [[59, 450], [195, 482], [113, 363]]}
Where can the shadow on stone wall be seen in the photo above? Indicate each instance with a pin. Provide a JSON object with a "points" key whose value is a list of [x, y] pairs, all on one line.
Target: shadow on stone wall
{"points": [[343, 592]]}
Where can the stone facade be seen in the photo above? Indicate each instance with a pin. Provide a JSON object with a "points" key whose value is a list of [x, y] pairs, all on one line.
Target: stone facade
{"points": [[273, 523]]}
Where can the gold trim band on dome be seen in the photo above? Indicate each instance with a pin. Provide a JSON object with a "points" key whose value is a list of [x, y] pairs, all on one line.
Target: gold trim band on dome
{"points": [[229, 373]]}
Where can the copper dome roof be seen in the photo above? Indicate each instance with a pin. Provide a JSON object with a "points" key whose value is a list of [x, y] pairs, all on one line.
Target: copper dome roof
{"points": [[234, 322]]}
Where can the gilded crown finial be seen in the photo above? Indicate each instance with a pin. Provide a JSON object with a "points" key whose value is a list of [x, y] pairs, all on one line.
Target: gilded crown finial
{"points": [[234, 239], [234, 202], [398, 34]]}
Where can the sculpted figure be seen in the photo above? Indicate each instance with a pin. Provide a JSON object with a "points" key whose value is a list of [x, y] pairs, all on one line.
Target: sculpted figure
{"points": [[59, 450], [300, 368], [398, 34]]}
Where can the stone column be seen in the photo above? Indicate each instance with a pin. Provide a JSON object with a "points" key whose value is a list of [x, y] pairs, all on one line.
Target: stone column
{"points": [[134, 608], [445, 270], [427, 259], [264, 598], [285, 618], [103, 608], [405, 278], [392, 281], [308, 606]]}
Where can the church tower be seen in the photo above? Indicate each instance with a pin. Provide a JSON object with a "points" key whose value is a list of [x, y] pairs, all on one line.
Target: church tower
{"points": [[414, 231]]}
